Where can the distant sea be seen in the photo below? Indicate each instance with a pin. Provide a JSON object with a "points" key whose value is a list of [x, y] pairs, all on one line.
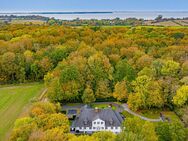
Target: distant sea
{"points": [[104, 15]]}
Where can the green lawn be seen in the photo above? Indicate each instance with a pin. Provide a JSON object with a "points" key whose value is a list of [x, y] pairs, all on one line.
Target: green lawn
{"points": [[154, 113], [170, 114], [13, 99]]}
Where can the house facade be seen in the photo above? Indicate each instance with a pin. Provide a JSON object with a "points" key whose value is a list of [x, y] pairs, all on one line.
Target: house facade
{"points": [[92, 120]]}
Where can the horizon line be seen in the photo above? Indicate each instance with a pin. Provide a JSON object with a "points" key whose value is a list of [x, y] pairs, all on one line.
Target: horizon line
{"points": [[93, 11]]}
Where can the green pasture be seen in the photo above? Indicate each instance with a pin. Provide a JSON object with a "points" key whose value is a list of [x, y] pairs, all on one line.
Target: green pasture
{"points": [[13, 101]]}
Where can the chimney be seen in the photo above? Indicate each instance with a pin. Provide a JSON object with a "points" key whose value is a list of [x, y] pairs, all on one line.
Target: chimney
{"points": [[96, 109]]}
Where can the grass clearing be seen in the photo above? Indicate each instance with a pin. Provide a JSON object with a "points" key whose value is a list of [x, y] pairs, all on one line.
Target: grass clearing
{"points": [[13, 100], [170, 114], [154, 114]]}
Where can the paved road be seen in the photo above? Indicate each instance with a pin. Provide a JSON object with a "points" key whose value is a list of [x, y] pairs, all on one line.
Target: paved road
{"points": [[126, 108], [42, 96]]}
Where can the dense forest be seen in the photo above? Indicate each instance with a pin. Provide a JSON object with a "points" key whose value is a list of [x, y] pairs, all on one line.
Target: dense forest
{"points": [[147, 67]]}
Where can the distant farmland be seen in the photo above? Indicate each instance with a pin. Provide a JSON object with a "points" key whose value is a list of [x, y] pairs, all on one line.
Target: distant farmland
{"points": [[39, 22], [168, 23], [13, 99]]}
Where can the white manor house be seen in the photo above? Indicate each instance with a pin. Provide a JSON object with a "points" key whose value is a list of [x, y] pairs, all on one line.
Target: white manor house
{"points": [[92, 120]]}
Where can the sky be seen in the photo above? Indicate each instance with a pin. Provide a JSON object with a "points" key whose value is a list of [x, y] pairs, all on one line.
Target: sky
{"points": [[93, 5]]}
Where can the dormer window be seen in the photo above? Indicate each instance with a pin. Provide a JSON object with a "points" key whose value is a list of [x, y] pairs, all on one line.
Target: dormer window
{"points": [[111, 121], [98, 122], [85, 121], [94, 122], [101, 122]]}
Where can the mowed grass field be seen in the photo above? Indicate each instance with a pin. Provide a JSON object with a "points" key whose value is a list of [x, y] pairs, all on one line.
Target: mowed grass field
{"points": [[39, 22], [13, 100]]}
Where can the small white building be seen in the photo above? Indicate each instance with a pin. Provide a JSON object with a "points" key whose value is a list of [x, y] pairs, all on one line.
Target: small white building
{"points": [[92, 120]]}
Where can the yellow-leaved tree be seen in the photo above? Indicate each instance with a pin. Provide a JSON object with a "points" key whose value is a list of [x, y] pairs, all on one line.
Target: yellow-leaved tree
{"points": [[181, 96]]}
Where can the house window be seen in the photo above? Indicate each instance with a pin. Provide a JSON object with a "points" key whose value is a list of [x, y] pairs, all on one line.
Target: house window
{"points": [[102, 127], [101, 122], [84, 127], [93, 127], [116, 127], [111, 127], [89, 127], [94, 122], [106, 127], [98, 122]]}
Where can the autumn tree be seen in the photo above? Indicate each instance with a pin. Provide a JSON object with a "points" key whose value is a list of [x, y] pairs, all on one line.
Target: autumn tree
{"points": [[156, 67], [100, 67], [88, 95], [181, 96], [135, 101], [58, 54], [169, 87], [44, 123], [69, 82], [104, 136], [56, 134], [147, 93], [147, 71], [83, 138], [184, 68], [22, 129], [120, 92], [144, 61], [171, 131], [170, 68], [124, 71], [103, 90], [8, 65], [137, 129], [42, 108]]}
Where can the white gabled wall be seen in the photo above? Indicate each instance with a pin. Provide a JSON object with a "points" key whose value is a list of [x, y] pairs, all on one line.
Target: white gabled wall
{"points": [[99, 125]]}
